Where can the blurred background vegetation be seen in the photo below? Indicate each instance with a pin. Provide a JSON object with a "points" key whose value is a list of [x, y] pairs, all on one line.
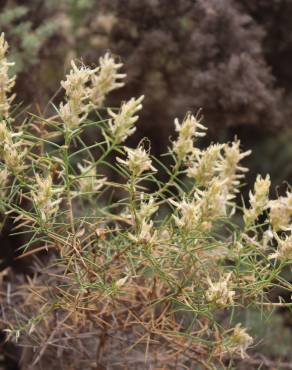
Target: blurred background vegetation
{"points": [[230, 58]]}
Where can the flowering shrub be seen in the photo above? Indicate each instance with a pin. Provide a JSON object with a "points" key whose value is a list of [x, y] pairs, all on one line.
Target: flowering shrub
{"points": [[141, 281]]}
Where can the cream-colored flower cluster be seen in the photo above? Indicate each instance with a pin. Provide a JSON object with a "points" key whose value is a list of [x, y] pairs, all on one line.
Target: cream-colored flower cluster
{"points": [[46, 198], [217, 173], [219, 292], [145, 235], [279, 219], [220, 162], [145, 224], [204, 165], [87, 88], [213, 201], [188, 130], [206, 207], [239, 341], [190, 215], [76, 109], [258, 200], [231, 172], [121, 124], [138, 161], [105, 80], [6, 82], [281, 212], [10, 152], [284, 248]]}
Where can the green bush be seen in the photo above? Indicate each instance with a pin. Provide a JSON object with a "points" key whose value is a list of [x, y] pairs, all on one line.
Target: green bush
{"points": [[137, 273], [27, 39]]}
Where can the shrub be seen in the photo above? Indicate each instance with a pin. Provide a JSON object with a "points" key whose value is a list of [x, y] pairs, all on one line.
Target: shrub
{"points": [[25, 34], [144, 281], [212, 57]]}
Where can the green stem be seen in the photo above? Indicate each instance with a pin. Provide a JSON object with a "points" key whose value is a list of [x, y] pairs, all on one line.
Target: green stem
{"points": [[67, 179]]}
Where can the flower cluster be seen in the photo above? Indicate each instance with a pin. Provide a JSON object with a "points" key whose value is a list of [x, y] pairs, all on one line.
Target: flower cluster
{"points": [[76, 109], [189, 214], [204, 165], [145, 235], [138, 161], [284, 249], [231, 172], [10, 152], [107, 79], [6, 82], [258, 200], [188, 130], [239, 341], [219, 293], [206, 207], [217, 173], [121, 123], [86, 89], [281, 212], [220, 162], [46, 198], [144, 223]]}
